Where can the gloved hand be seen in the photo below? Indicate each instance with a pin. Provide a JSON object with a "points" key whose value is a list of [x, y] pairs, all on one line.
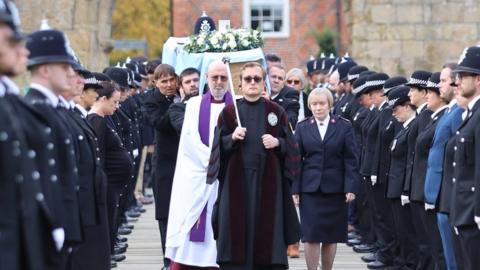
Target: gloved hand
{"points": [[477, 220], [404, 199], [429, 206], [373, 178]]}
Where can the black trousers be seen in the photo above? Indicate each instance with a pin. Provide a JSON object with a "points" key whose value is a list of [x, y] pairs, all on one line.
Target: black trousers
{"points": [[470, 242], [112, 213], [162, 226], [435, 240], [364, 212], [425, 260], [384, 224], [407, 256]]}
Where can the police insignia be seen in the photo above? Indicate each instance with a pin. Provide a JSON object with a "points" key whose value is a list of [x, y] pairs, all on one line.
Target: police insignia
{"points": [[272, 119]]}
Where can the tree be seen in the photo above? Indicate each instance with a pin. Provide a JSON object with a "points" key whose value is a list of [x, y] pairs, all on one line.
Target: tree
{"points": [[325, 41], [147, 20]]}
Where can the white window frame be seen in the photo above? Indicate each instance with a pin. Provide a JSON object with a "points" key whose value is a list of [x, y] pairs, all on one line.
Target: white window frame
{"points": [[285, 14]]}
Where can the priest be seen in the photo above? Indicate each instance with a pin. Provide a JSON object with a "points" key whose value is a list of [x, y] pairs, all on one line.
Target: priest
{"points": [[254, 219], [190, 243]]}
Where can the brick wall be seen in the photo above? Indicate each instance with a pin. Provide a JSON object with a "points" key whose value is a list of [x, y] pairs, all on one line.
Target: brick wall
{"points": [[305, 16]]}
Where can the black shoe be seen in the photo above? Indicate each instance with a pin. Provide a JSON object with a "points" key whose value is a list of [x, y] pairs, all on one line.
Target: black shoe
{"points": [[113, 264], [132, 214], [118, 258], [369, 257], [122, 245], [119, 250], [140, 209], [352, 235], [127, 226], [121, 239], [376, 265], [364, 248], [353, 242], [124, 231]]}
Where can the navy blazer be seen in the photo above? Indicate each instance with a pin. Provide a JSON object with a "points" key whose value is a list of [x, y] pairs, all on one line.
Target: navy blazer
{"points": [[329, 165]]}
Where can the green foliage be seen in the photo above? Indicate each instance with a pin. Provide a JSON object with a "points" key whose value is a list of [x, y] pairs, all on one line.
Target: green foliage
{"points": [[147, 20], [325, 41]]}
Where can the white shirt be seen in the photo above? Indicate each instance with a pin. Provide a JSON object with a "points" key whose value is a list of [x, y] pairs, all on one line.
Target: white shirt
{"points": [[405, 124], [52, 98], [82, 110], [420, 108], [64, 102], [438, 111], [322, 126], [379, 107], [11, 87]]}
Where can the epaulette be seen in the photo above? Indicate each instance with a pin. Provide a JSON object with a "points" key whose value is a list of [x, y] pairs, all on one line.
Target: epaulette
{"points": [[306, 119], [344, 119]]}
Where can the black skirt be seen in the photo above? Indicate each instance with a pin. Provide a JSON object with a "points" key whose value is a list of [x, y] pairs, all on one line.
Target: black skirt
{"points": [[323, 217]]}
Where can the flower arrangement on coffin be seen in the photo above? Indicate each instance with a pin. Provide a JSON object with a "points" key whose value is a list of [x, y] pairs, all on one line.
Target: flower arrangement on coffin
{"points": [[231, 40]]}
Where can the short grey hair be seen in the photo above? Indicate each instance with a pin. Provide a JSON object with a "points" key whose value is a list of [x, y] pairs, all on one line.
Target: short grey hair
{"points": [[299, 73], [320, 92]]}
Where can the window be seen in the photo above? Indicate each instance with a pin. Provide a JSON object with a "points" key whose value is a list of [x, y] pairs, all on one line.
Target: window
{"points": [[271, 17]]}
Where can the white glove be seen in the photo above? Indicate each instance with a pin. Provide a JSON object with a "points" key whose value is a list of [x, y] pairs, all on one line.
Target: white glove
{"points": [[404, 199], [429, 206], [374, 179], [477, 220], [58, 235]]}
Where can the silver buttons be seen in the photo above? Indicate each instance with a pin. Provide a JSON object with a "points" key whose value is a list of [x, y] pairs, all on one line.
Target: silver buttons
{"points": [[31, 154], [3, 136], [16, 144], [16, 152], [39, 197], [455, 148], [473, 189], [454, 164], [67, 141], [51, 162], [19, 178], [53, 178], [462, 140], [80, 137], [458, 132], [50, 146], [35, 175], [75, 170], [453, 180], [48, 130]]}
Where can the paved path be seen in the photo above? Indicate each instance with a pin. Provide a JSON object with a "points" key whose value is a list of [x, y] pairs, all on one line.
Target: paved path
{"points": [[145, 251]]}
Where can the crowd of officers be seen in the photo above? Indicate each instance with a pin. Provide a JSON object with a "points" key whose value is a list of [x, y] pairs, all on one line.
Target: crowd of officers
{"points": [[71, 149], [417, 203]]}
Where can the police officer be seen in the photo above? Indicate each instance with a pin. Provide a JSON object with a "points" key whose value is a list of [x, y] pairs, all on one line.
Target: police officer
{"points": [[465, 213]]}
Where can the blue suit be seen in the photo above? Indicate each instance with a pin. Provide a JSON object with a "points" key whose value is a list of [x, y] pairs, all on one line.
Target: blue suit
{"points": [[446, 128], [328, 165]]}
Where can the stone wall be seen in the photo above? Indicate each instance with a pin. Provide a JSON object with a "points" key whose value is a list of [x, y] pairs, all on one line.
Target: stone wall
{"points": [[399, 36], [87, 24]]}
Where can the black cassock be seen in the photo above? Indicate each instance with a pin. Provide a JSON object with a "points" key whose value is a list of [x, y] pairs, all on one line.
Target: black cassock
{"points": [[254, 217]]}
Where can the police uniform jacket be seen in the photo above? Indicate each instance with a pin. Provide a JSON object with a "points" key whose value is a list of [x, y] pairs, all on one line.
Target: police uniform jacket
{"points": [[364, 166], [422, 148], [466, 164], [287, 98], [357, 121], [66, 159]]}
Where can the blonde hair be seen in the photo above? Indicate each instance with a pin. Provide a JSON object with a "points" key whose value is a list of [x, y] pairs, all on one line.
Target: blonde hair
{"points": [[319, 92], [298, 73]]}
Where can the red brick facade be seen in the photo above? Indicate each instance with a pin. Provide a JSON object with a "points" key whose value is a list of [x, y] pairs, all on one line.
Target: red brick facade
{"points": [[305, 16]]}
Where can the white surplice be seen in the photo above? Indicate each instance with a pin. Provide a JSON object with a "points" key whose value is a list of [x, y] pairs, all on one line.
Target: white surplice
{"points": [[190, 192]]}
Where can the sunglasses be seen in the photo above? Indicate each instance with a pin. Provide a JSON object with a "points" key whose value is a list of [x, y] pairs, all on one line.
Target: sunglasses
{"points": [[249, 79], [295, 82], [221, 77]]}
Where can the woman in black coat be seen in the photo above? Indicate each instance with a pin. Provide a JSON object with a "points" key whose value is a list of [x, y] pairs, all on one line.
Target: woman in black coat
{"points": [[117, 163], [328, 179]]}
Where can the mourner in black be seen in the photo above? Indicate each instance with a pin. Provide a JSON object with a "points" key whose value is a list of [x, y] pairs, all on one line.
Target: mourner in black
{"points": [[404, 113], [167, 138], [417, 83], [345, 89], [465, 210], [116, 161], [297, 80], [283, 95]]}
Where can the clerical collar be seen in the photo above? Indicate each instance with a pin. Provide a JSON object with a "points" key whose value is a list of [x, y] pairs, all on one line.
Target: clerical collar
{"points": [[323, 122], [472, 102], [420, 108], [47, 93], [438, 111], [406, 123]]}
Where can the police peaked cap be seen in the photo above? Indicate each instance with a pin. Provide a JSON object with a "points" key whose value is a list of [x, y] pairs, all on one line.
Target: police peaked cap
{"points": [[119, 75], [91, 82], [313, 65], [398, 96], [433, 83], [392, 83], [9, 15], [354, 72], [469, 61], [101, 77], [48, 46], [419, 79], [344, 68], [375, 81], [359, 85]]}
